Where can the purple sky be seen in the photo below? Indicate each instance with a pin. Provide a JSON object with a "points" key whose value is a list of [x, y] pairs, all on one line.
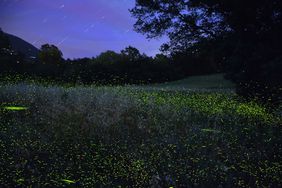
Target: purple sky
{"points": [[80, 28]]}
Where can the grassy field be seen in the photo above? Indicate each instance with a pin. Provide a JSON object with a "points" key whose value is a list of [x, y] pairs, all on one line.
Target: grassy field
{"points": [[214, 81], [149, 136]]}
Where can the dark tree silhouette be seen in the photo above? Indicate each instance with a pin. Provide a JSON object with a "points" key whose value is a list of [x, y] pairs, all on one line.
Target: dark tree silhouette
{"points": [[108, 57], [188, 21], [131, 53], [250, 31], [181, 20], [50, 54]]}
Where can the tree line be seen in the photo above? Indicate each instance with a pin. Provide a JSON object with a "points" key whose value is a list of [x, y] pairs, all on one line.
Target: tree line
{"points": [[129, 66]]}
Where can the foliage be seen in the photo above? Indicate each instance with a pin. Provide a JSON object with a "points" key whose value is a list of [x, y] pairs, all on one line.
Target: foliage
{"points": [[123, 136], [187, 22], [183, 21], [50, 54], [258, 75], [108, 57], [127, 67], [244, 37], [131, 54]]}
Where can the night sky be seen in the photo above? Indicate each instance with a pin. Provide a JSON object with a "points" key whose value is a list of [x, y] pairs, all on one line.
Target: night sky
{"points": [[80, 28]]}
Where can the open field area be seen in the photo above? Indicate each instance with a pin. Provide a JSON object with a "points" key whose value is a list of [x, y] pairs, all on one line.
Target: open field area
{"points": [[213, 81], [87, 136]]}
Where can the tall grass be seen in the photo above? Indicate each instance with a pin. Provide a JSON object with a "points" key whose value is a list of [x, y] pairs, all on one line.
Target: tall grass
{"points": [[122, 136]]}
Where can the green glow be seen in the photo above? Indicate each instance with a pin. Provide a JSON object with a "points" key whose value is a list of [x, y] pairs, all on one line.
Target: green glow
{"points": [[68, 181], [20, 180], [15, 108], [210, 130]]}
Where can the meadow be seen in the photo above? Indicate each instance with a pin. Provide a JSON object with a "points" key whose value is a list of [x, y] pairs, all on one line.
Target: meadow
{"points": [[166, 135]]}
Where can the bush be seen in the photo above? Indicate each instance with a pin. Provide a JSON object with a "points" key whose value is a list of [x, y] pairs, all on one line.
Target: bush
{"points": [[257, 72]]}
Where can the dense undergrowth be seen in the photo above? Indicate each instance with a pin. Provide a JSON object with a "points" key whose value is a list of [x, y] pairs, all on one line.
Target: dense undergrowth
{"points": [[55, 136]]}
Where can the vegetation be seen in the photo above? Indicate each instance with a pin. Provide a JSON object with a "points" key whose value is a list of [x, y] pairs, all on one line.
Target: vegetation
{"points": [[213, 81], [128, 120], [127, 67], [242, 36], [50, 54], [128, 136]]}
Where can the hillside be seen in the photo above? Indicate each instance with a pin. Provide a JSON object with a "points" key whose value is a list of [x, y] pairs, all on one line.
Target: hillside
{"points": [[22, 46]]}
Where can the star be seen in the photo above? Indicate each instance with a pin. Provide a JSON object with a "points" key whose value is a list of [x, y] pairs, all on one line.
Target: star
{"points": [[62, 41]]}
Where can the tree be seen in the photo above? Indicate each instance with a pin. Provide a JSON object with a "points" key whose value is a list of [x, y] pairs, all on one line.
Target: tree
{"points": [[131, 53], [50, 54], [250, 29], [181, 20], [188, 21], [161, 58], [51, 60], [108, 57]]}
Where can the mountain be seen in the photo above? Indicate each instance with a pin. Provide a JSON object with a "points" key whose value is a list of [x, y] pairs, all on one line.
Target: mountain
{"points": [[20, 45]]}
